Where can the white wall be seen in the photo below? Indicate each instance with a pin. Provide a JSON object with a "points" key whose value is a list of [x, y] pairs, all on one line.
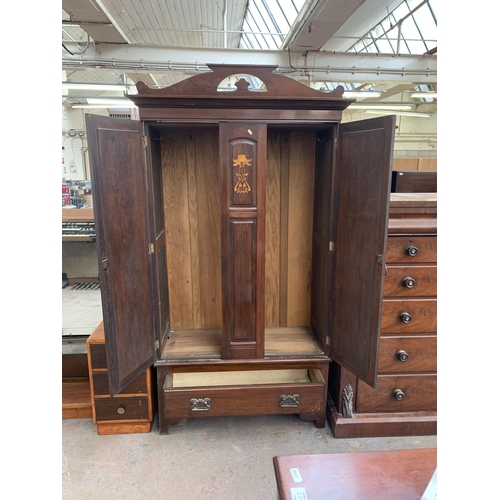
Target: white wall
{"points": [[74, 142], [414, 137]]}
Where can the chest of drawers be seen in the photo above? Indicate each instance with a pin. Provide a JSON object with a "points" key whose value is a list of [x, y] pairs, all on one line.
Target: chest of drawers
{"points": [[404, 401], [129, 412]]}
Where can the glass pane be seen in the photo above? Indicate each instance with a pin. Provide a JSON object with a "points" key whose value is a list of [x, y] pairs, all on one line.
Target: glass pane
{"points": [[384, 46], [426, 24], [416, 47], [409, 30], [400, 11]]}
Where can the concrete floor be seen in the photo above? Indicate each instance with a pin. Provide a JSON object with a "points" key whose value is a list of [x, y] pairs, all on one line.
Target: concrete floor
{"points": [[220, 458]]}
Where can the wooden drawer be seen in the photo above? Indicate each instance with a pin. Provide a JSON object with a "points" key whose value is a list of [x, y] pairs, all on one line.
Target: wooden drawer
{"points": [[410, 281], [98, 356], [407, 355], [249, 399], [111, 408], [396, 249], [419, 393], [101, 384], [423, 314]]}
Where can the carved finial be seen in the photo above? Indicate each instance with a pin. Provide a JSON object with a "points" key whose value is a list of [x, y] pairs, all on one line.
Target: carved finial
{"points": [[242, 84]]}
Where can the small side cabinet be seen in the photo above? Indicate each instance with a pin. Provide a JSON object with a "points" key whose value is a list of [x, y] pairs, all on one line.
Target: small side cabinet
{"points": [[132, 410]]}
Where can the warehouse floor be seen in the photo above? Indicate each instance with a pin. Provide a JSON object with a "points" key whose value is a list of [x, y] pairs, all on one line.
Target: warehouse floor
{"points": [[222, 458]]}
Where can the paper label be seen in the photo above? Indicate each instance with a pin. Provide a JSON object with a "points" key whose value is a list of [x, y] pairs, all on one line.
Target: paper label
{"points": [[297, 478], [298, 493]]}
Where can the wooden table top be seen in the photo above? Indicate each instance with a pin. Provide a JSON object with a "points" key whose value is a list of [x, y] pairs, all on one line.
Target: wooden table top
{"points": [[369, 475]]}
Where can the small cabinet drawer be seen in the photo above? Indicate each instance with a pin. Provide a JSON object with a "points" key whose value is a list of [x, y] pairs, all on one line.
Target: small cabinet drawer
{"points": [[121, 408], [407, 355], [249, 399], [398, 394], [411, 249], [98, 356], [410, 281], [101, 384], [409, 316]]}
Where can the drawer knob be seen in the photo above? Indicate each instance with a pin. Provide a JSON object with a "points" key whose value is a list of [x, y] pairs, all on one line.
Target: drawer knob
{"points": [[409, 282], [120, 410], [405, 317], [398, 394], [411, 250], [402, 356]]}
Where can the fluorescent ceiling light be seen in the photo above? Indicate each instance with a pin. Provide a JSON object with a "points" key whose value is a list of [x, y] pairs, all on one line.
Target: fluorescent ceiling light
{"points": [[402, 113], [95, 86], [109, 100], [400, 107], [361, 93], [417, 95], [103, 106]]}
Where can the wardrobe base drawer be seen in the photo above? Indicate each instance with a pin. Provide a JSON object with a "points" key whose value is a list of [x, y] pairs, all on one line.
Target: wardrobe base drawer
{"points": [[398, 393], [303, 393]]}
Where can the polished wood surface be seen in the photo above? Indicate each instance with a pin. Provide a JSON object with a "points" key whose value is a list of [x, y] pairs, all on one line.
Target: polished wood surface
{"points": [[243, 149], [396, 249], [421, 354], [207, 343], [190, 173], [419, 394], [361, 203], [133, 409], [76, 399], [121, 212], [77, 215], [423, 314], [374, 475], [421, 279], [414, 182]]}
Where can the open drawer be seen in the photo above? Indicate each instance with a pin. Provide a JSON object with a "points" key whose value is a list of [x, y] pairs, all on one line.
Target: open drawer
{"points": [[251, 392]]}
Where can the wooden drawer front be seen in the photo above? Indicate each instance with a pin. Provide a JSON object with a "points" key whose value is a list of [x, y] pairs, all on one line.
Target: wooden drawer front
{"points": [[244, 400], [423, 314], [419, 394], [396, 249], [407, 355], [101, 385], [410, 281], [98, 356], [110, 409]]}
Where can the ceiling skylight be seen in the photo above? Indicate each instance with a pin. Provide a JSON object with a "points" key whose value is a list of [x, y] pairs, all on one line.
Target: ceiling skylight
{"points": [[267, 23], [411, 28]]}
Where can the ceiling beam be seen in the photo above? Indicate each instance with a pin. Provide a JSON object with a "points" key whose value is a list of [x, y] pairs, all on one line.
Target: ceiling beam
{"points": [[329, 66], [317, 22]]}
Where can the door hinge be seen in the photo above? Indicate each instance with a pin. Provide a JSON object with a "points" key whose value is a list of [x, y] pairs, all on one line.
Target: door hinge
{"points": [[336, 143], [331, 246], [328, 341], [104, 264], [157, 344], [144, 141], [151, 248], [380, 259]]}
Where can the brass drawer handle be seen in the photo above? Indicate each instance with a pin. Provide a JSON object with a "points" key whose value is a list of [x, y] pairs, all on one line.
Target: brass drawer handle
{"points": [[402, 356], [399, 394], [120, 410], [289, 401], [409, 282], [202, 404], [411, 251], [405, 317]]}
